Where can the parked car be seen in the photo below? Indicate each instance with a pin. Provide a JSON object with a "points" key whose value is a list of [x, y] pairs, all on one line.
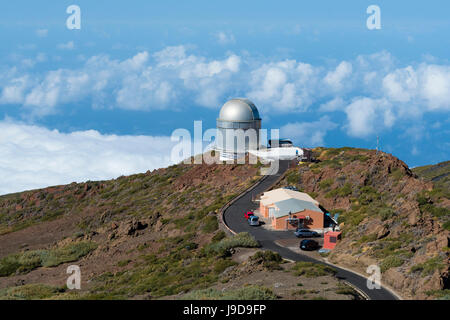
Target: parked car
{"points": [[253, 220], [293, 188], [309, 245], [248, 214], [305, 233]]}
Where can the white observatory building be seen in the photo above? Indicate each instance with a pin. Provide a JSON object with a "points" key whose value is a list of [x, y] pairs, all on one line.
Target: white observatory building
{"points": [[238, 128], [238, 133]]}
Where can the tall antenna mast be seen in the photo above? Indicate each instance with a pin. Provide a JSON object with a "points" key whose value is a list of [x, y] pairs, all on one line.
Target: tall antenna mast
{"points": [[378, 143]]}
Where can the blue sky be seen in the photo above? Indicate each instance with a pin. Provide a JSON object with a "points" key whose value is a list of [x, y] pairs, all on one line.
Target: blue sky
{"points": [[79, 104]]}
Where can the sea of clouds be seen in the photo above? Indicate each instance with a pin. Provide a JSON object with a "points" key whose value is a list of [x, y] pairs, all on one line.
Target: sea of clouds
{"points": [[373, 92]]}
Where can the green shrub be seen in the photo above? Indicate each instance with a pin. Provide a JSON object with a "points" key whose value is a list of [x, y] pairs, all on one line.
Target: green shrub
{"points": [[446, 225], [69, 253], [429, 266], [353, 218], [368, 194], [246, 293], [368, 238], [243, 239], [269, 259], [331, 152], [326, 183], [123, 263], [222, 264], [293, 177], [386, 213], [311, 270], [29, 260], [300, 292], [387, 248], [422, 199], [313, 194], [391, 262], [218, 236], [439, 294], [435, 210], [210, 224], [9, 265], [345, 289], [343, 191], [397, 174], [29, 292]]}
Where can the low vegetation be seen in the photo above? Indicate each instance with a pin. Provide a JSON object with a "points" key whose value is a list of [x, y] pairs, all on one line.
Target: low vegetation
{"points": [[345, 289], [431, 201], [270, 260], [246, 293], [429, 266], [223, 247], [29, 260], [182, 200], [312, 270], [386, 213], [30, 292]]}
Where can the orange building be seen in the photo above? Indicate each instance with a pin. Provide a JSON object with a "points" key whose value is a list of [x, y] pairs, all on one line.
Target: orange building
{"points": [[330, 239], [269, 198], [294, 213]]}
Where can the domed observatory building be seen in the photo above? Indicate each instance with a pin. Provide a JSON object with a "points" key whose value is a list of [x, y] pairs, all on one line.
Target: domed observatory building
{"points": [[237, 129]]}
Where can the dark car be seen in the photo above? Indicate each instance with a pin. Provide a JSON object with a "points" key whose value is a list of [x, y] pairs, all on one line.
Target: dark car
{"points": [[253, 221], [309, 245], [305, 233]]}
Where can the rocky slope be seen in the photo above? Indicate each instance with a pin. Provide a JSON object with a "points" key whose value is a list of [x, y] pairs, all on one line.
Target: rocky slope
{"points": [[388, 214], [146, 236], [118, 226]]}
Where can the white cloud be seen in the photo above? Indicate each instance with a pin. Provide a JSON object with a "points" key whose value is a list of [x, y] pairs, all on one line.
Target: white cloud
{"points": [[142, 82], [297, 29], [332, 105], [41, 57], [435, 87], [366, 116], [287, 86], [41, 33], [14, 91], [308, 134], [336, 77], [224, 38], [176, 78], [35, 157], [401, 84], [428, 85], [66, 46]]}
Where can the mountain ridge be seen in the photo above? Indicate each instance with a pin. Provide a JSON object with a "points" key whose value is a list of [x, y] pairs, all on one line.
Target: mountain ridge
{"points": [[131, 228], [388, 214]]}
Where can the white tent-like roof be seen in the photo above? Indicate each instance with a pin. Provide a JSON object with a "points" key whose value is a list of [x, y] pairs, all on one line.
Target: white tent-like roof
{"points": [[282, 194], [271, 154]]}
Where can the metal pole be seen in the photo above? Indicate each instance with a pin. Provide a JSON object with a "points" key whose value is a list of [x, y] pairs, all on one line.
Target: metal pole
{"points": [[378, 140]]}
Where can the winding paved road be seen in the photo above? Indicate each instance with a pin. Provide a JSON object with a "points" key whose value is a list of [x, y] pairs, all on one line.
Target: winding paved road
{"points": [[233, 217]]}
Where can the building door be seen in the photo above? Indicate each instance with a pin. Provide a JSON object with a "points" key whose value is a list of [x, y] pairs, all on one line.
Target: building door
{"points": [[271, 212]]}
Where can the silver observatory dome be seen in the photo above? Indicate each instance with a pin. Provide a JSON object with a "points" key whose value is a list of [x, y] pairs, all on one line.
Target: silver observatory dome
{"points": [[239, 110], [238, 117]]}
